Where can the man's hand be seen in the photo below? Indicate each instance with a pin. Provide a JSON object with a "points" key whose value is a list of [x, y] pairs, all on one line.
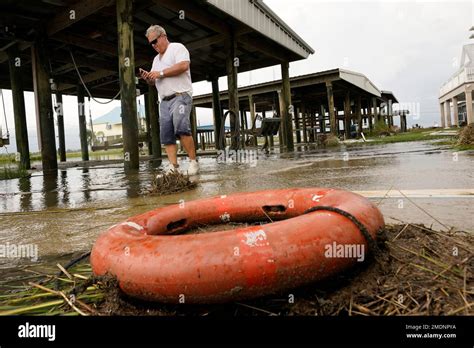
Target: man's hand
{"points": [[145, 75]]}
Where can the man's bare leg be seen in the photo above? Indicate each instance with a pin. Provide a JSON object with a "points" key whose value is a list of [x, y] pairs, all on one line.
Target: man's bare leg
{"points": [[188, 143], [171, 151]]}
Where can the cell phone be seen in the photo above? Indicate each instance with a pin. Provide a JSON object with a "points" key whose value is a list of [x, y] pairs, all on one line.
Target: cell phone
{"points": [[141, 71]]}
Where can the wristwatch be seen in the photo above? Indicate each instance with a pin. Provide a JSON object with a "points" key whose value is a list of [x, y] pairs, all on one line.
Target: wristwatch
{"points": [[162, 74]]}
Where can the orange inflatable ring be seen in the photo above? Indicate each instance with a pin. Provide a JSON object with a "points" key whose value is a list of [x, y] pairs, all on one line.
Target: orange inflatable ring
{"points": [[310, 238]]}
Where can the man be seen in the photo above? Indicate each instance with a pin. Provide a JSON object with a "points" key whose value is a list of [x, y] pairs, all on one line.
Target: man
{"points": [[171, 74]]}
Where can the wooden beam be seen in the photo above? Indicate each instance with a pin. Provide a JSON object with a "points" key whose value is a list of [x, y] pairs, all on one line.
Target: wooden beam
{"points": [[197, 14], [74, 13], [206, 42]]}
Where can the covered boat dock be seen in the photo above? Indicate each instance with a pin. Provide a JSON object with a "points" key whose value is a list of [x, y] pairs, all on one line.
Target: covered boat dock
{"points": [[330, 101]]}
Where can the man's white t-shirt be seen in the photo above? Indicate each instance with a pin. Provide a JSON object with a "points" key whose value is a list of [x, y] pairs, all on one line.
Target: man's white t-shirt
{"points": [[175, 53]]}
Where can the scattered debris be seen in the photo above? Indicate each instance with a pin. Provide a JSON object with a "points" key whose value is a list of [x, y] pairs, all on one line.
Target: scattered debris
{"points": [[170, 183], [418, 271]]}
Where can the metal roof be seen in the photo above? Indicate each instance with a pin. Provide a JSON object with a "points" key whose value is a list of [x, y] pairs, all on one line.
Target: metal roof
{"points": [[353, 78], [257, 15]]}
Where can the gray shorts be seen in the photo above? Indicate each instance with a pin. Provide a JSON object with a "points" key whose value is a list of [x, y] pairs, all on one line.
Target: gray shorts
{"points": [[175, 118]]}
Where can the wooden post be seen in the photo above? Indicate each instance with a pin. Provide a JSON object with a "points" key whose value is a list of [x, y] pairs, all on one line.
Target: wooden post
{"points": [[82, 123], [61, 136], [45, 107], [297, 124], [347, 115], [358, 111], [332, 114], [217, 108], [194, 124], [375, 114], [21, 130], [403, 123], [153, 110], [281, 132], [148, 126], [322, 125], [242, 126], [126, 63], [312, 137], [304, 120], [252, 117], [232, 64], [370, 116], [287, 108]]}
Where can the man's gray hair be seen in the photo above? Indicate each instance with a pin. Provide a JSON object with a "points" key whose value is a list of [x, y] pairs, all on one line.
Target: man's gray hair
{"points": [[155, 29]]}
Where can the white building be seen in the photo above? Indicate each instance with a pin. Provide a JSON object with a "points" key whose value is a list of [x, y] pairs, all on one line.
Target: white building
{"points": [[108, 127], [456, 94]]}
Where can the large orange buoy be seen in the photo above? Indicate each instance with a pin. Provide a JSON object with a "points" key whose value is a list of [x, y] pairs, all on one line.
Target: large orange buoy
{"points": [[316, 232]]}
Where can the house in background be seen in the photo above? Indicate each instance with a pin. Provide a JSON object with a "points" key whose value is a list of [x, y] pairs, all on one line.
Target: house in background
{"points": [[108, 127], [455, 97]]}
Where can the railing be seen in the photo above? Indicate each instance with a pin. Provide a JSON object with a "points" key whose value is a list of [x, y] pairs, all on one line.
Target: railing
{"points": [[466, 74]]}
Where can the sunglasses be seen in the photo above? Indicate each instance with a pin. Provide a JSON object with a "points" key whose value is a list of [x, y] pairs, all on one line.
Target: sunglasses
{"points": [[155, 41]]}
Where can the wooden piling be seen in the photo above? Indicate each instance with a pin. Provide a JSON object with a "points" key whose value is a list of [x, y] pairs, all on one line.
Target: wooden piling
{"points": [[217, 108], [332, 114], [304, 120], [347, 115], [287, 109], [126, 63], [61, 136], [232, 63], [252, 117], [82, 123], [194, 124], [21, 130], [45, 107], [152, 109], [358, 111]]}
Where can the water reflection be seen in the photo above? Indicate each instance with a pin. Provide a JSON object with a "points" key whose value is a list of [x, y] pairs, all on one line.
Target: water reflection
{"points": [[64, 187], [86, 182], [24, 188], [50, 189], [131, 181]]}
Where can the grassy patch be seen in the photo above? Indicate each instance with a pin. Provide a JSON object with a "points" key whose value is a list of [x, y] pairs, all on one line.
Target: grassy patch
{"points": [[409, 136], [12, 173]]}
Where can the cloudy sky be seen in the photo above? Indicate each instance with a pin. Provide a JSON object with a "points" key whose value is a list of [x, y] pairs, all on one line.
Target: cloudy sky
{"points": [[408, 47]]}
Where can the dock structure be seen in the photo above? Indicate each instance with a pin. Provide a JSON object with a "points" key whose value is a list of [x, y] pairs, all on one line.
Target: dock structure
{"points": [[332, 101], [93, 48], [455, 95]]}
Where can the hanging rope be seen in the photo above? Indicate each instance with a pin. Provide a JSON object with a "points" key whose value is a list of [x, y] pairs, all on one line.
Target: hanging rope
{"points": [[4, 114], [87, 89]]}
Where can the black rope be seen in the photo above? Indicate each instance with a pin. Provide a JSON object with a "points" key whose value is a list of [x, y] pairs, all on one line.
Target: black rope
{"points": [[370, 241]]}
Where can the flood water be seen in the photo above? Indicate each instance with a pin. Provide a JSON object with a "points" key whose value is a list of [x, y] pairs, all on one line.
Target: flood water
{"points": [[64, 213]]}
